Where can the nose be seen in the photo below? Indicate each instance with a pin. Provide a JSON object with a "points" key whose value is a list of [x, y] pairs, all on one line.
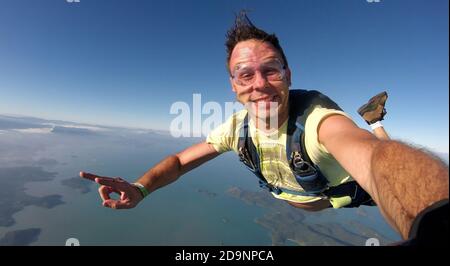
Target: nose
{"points": [[260, 81]]}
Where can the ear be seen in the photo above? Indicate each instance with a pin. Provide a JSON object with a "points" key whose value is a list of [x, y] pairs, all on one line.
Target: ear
{"points": [[233, 88], [288, 76]]}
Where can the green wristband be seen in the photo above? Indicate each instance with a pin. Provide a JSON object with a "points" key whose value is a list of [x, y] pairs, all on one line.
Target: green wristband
{"points": [[142, 189]]}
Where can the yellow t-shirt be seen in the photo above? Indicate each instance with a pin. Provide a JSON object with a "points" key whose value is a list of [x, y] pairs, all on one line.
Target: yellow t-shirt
{"points": [[271, 148]]}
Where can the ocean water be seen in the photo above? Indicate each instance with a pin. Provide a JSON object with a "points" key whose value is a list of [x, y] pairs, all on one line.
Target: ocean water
{"points": [[195, 210]]}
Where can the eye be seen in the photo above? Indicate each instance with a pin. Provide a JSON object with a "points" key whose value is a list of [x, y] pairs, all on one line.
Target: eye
{"points": [[246, 75], [270, 72]]}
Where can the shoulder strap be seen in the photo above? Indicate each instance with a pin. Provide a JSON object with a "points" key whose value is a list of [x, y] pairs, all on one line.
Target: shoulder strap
{"points": [[245, 150], [307, 174]]}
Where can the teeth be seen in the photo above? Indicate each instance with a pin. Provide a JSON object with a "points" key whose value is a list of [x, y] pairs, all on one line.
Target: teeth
{"points": [[268, 99]]}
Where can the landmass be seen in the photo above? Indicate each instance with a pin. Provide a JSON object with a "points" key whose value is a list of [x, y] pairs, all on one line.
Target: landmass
{"points": [[72, 131], [287, 223], [207, 193], [20, 237], [83, 185], [14, 198]]}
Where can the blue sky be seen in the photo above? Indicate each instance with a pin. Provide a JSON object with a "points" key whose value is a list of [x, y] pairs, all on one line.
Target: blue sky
{"points": [[124, 62]]}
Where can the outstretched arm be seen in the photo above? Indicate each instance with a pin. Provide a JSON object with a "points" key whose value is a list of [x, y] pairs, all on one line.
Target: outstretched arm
{"points": [[162, 174], [172, 167], [402, 180], [406, 181]]}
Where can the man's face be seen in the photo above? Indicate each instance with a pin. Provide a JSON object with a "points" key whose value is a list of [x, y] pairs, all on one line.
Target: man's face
{"points": [[262, 88]]}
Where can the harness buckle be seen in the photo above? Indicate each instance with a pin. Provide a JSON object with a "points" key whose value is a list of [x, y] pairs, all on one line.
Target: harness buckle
{"points": [[307, 175], [300, 166], [244, 158]]}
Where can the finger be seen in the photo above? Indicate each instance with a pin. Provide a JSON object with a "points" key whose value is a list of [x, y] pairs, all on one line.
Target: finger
{"points": [[115, 183], [104, 192], [117, 204], [89, 176]]}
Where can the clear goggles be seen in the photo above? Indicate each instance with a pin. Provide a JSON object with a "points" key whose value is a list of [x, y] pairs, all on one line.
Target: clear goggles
{"points": [[245, 74]]}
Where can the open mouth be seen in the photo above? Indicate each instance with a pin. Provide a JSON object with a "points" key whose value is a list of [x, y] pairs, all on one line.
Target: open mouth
{"points": [[266, 99]]}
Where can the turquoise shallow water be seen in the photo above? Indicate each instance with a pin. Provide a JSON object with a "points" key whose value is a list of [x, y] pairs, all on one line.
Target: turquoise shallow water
{"points": [[196, 210]]}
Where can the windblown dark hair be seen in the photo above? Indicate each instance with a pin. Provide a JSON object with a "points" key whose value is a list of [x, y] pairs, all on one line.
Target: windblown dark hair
{"points": [[242, 30]]}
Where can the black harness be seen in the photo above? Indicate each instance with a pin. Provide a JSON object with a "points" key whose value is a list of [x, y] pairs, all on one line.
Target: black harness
{"points": [[306, 173]]}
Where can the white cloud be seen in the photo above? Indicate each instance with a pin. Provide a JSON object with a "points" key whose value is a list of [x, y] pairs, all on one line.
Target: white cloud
{"points": [[91, 128], [44, 130]]}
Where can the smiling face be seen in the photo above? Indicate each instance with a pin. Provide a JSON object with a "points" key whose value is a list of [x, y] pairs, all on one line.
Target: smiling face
{"points": [[263, 89]]}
